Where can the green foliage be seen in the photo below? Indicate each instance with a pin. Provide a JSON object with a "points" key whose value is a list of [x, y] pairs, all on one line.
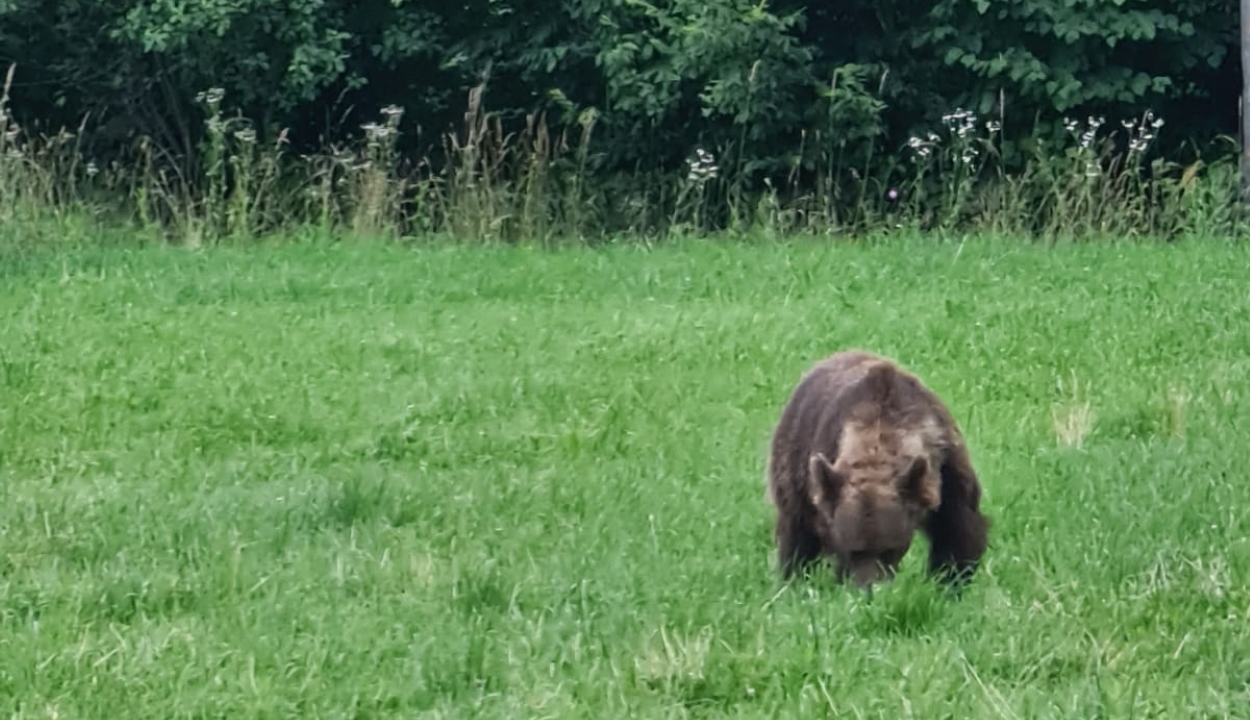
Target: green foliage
{"points": [[717, 66], [1079, 56], [805, 110], [234, 43]]}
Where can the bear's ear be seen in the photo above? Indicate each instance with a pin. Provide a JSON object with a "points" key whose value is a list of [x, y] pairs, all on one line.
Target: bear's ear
{"points": [[826, 482], [911, 485]]}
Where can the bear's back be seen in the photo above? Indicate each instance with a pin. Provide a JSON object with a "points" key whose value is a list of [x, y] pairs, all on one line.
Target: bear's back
{"points": [[859, 389]]}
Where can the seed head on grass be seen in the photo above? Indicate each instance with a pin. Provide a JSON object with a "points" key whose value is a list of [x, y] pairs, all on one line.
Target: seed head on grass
{"points": [[1072, 423], [674, 657], [1178, 399]]}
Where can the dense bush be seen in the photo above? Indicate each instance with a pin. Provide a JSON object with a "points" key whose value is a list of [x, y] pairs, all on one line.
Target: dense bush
{"points": [[804, 114]]}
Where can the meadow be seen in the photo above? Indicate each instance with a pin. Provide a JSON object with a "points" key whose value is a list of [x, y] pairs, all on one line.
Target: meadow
{"points": [[367, 480]]}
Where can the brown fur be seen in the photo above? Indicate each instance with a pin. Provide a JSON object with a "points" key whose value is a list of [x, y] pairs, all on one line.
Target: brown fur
{"points": [[863, 457]]}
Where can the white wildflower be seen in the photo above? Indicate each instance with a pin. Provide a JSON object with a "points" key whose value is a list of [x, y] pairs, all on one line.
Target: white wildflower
{"points": [[376, 131], [702, 167], [211, 97], [961, 122], [1086, 136], [1145, 133], [921, 148]]}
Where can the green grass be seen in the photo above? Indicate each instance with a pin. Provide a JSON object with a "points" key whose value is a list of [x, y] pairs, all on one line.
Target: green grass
{"points": [[363, 481]]}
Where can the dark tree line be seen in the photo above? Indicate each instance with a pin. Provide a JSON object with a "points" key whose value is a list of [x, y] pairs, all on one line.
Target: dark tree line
{"points": [[764, 79]]}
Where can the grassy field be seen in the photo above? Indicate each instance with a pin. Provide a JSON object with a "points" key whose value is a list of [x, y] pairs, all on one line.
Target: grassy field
{"points": [[363, 481]]}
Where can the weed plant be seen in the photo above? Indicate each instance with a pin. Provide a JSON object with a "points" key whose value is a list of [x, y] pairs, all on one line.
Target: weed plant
{"points": [[536, 185]]}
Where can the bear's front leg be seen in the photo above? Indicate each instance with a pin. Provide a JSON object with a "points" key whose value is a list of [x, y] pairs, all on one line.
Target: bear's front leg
{"points": [[957, 530], [797, 545]]}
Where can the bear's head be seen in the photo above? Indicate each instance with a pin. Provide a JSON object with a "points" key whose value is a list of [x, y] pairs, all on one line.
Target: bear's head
{"points": [[870, 511]]}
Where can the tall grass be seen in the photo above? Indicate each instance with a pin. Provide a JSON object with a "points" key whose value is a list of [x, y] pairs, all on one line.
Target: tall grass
{"points": [[536, 183]]}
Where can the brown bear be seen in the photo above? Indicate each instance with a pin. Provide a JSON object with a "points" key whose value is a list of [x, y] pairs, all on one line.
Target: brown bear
{"points": [[863, 457]]}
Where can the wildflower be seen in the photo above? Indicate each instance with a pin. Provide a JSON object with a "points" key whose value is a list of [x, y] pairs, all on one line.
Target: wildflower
{"points": [[1146, 132], [92, 169], [993, 126], [375, 131], [922, 148], [891, 194], [1087, 136], [211, 97], [702, 168], [961, 122]]}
